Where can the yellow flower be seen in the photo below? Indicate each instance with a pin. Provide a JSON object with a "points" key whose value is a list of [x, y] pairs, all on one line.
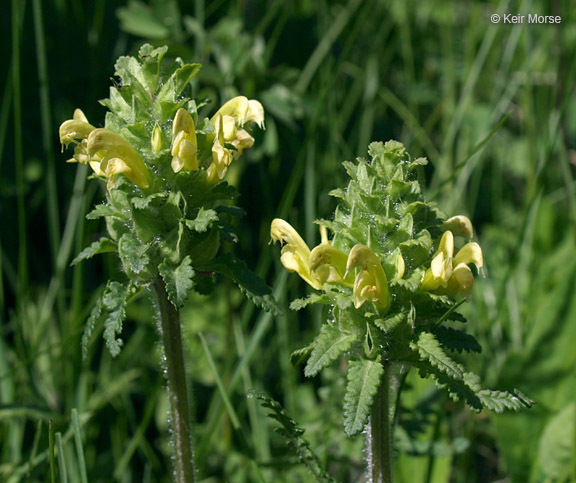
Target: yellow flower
{"points": [[115, 155], [228, 123], [295, 255], [451, 275], [459, 226], [184, 142], [327, 263], [77, 130], [370, 283]]}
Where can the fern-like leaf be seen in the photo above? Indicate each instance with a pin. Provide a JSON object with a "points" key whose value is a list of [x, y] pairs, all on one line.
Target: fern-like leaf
{"points": [[330, 344], [103, 245], [294, 436], [364, 378], [430, 350], [500, 401], [456, 340], [114, 304]]}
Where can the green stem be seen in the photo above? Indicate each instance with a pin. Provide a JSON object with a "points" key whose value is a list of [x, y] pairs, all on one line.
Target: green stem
{"points": [[177, 393], [379, 438]]}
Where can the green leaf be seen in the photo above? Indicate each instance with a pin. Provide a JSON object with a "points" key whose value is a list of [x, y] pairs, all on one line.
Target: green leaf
{"points": [[499, 401], [248, 282], [104, 245], [314, 298], [430, 350], [364, 378], [203, 220], [179, 281], [133, 254], [294, 436], [104, 210], [95, 315], [556, 450], [457, 340], [330, 344], [114, 306]]}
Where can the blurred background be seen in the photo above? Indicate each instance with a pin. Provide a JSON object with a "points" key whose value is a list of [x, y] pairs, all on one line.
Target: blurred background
{"points": [[491, 106]]}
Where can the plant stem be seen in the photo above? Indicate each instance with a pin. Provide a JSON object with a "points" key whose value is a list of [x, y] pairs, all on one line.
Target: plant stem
{"points": [[379, 438], [177, 393]]}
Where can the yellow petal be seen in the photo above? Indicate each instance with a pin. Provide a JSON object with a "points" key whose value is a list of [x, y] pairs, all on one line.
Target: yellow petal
{"points": [[460, 226], [237, 107], [115, 146], [114, 167], [79, 115], [74, 130], [371, 282], [328, 264], [470, 253], [183, 122], [461, 281], [255, 113]]}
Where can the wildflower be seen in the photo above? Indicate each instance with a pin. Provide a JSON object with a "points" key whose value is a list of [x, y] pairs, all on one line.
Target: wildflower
{"points": [[184, 143], [452, 275], [328, 263], [370, 283], [459, 226], [115, 155], [228, 123], [295, 255]]}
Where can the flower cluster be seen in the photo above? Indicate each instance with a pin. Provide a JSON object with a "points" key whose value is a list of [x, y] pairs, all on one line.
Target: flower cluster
{"points": [[167, 206], [389, 278], [109, 154]]}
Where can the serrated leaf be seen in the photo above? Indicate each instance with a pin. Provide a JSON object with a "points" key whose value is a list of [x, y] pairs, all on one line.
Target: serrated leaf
{"points": [[430, 350], [114, 306], [330, 344], [457, 340], [315, 298], [364, 378], [294, 436], [391, 322], [499, 401], [203, 220], [301, 355], [133, 254], [179, 281], [104, 210], [93, 318], [248, 282], [104, 245]]}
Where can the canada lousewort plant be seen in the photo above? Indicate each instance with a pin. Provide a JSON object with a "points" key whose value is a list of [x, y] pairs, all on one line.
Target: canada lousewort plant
{"points": [[167, 207], [391, 276]]}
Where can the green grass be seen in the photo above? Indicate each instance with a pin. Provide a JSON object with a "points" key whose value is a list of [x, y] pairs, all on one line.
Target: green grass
{"points": [[332, 76]]}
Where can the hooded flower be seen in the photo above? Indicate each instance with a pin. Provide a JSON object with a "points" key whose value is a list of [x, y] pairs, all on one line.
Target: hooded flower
{"points": [[451, 274], [370, 283], [229, 137], [295, 255], [108, 153], [184, 143], [328, 263]]}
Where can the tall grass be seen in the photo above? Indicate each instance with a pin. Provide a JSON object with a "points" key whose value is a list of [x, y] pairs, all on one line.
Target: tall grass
{"points": [[332, 76]]}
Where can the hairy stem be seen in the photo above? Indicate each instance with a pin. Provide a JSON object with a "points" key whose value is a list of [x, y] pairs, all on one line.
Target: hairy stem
{"points": [[176, 375], [380, 434]]}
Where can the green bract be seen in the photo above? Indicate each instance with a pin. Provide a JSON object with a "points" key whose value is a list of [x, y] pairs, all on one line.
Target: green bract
{"points": [[167, 208], [398, 287]]}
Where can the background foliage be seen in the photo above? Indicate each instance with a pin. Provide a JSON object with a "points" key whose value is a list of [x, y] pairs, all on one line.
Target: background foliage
{"points": [[492, 107]]}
